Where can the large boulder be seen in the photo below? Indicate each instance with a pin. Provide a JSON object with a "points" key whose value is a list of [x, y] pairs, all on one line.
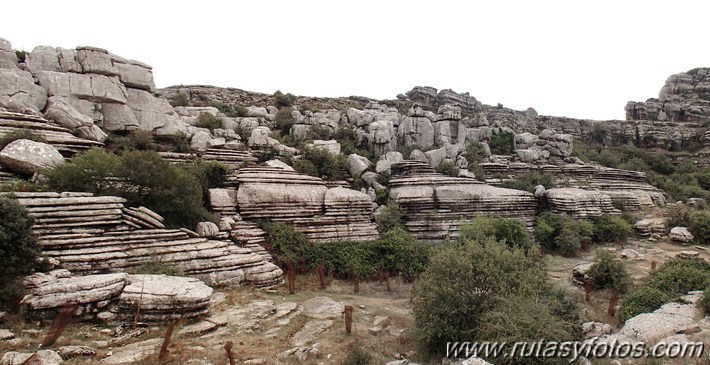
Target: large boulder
{"points": [[8, 59], [152, 113], [41, 357], [681, 234], [18, 91], [384, 164], [357, 164], [417, 131], [91, 87], [29, 157]]}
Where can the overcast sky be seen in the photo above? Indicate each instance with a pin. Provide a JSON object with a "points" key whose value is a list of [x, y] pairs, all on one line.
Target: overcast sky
{"points": [[566, 58]]}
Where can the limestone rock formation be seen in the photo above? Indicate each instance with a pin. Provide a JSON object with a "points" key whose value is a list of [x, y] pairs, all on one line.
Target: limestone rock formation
{"points": [[579, 203], [435, 206], [164, 298], [357, 165], [28, 157], [41, 357], [59, 137], [628, 188], [305, 203], [59, 287], [681, 234], [91, 235], [650, 226]]}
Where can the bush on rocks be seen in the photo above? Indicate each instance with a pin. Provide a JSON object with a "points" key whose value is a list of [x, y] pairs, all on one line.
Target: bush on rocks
{"points": [[608, 272], [512, 232], [18, 248], [563, 234]]}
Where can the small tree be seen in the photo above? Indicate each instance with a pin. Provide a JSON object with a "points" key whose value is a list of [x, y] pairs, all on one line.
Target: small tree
{"points": [[502, 143], [608, 228], [608, 272], [18, 247], [512, 232]]}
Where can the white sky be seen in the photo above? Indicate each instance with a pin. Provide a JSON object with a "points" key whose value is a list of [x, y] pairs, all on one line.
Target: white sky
{"points": [[582, 59]]}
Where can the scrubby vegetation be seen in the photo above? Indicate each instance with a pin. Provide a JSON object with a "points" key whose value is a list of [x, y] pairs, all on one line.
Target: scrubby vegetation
{"points": [[321, 163], [672, 280], [18, 249], [395, 252], [282, 100], [608, 272], [143, 178], [502, 143], [566, 235], [209, 121], [284, 120], [19, 134], [563, 234], [489, 291], [511, 232], [679, 180], [529, 181], [447, 168]]}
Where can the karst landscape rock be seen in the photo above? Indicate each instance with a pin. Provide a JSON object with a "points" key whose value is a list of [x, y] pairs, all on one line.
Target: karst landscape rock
{"points": [[330, 169]]}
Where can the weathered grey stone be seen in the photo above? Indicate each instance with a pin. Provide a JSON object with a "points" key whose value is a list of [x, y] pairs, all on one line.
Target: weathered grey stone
{"points": [[19, 93], [436, 157], [332, 146], [279, 164], [357, 164], [309, 332], [28, 157], [384, 164], [417, 131], [70, 352], [41, 357], [65, 115], [207, 229], [323, 308], [91, 87], [151, 112], [681, 234], [55, 289], [135, 75], [6, 335], [200, 141]]}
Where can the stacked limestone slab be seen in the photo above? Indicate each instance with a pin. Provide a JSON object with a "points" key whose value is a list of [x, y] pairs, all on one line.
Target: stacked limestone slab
{"points": [[59, 137], [435, 206], [305, 203], [90, 235], [116, 297], [579, 203], [629, 188]]}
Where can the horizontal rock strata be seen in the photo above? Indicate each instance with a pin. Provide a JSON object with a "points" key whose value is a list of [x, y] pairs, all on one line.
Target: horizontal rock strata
{"points": [[305, 203], [435, 206], [59, 137], [579, 203], [94, 234]]}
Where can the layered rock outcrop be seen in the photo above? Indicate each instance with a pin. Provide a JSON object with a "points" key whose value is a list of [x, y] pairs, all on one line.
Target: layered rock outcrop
{"points": [[627, 188], [114, 298], [59, 137], [91, 235], [305, 203], [435, 206]]}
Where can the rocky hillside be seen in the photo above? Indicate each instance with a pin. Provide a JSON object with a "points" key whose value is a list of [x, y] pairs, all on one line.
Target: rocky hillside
{"points": [[324, 171]]}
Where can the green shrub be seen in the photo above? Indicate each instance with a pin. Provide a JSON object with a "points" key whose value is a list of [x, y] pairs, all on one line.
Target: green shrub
{"points": [[210, 174], [20, 134], [529, 181], [474, 152], [512, 232], [209, 121], [282, 100], [502, 143], [398, 253], [395, 252], [284, 120], [609, 228], [645, 299], [468, 284], [21, 55], [143, 178], [447, 168], [563, 234], [180, 99], [157, 267], [699, 226], [608, 272], [19, 248], [321, 163], [180, 142], [706, 301], [135, 140], [241, 111], [349, 143], [358, 356], [672, 280], [390, 217]]}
